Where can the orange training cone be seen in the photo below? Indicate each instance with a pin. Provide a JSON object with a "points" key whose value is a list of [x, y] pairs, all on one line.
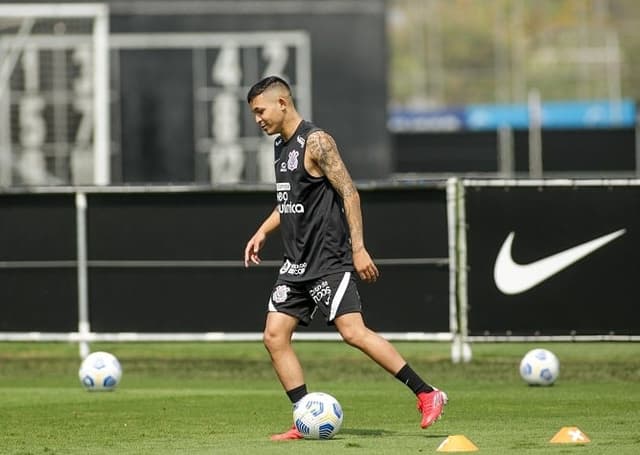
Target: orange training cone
{"points": [[457, 443], [570, 435]]}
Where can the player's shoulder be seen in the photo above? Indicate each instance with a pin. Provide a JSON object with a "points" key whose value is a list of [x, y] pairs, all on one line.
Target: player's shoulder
{"points": [[319, 136], [318, 133], [311, 129], [318, 143]]}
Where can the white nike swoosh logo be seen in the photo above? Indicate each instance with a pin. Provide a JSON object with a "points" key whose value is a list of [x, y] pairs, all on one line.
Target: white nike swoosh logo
{"points": [[513, 278]]}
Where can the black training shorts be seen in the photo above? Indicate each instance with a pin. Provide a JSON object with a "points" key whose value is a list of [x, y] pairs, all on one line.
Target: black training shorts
{"points": [[333, 294]]}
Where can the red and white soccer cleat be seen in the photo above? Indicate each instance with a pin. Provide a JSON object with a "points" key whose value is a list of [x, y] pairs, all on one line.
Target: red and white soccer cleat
{"points": [[431, 405], [288, 435]]}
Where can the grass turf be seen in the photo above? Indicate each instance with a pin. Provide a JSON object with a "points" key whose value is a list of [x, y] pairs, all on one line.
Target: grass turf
{"points": [[223, 398]]}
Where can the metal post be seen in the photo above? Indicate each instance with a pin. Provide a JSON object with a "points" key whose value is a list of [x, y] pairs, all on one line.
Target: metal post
{"points": [[461, 290], [84, 327], [101, 138], [535, 134], [506, 163], [454, 327]]}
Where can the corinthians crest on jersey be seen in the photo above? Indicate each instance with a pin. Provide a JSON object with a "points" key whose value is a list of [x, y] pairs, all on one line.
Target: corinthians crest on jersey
{"points": [[292, 162]]}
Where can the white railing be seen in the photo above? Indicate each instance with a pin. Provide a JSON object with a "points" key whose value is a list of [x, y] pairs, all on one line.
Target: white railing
{"points": [[82, 264]]}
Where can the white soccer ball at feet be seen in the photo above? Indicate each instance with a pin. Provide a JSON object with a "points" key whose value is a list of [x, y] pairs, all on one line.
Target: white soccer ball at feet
{"points": [[540, 367], [318, 416], [100, 371]]}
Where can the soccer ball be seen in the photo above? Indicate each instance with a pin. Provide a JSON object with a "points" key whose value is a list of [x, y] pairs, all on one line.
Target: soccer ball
{"points": [[318, 416], [539, 367], [100, 371]]}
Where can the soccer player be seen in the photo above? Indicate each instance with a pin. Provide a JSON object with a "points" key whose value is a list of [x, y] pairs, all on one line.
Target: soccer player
{"points": [[320, 220]]}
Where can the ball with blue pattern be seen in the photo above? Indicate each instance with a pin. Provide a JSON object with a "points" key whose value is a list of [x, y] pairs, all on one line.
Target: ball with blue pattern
{"points": [[100, 372], [318, 416], [540, 367]]}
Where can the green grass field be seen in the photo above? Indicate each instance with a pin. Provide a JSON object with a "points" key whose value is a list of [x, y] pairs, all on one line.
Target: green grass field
{"points": [[223, 398]]}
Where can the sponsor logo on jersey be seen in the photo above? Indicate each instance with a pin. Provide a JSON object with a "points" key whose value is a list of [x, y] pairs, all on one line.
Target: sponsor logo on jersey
{"points": [[283, 167], [289, 268], [278, 141], [300, 140], [285, 267], [284, 204], [292, 163], [290, 207], [280, 293]]}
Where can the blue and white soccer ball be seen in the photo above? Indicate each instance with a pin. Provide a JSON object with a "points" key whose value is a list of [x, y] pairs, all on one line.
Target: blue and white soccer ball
{"points": [[100, 371], [318, 416], [539, 367]]}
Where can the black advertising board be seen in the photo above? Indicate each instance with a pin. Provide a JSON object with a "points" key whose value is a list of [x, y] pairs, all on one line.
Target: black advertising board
{"points": [[170, 260], [38, 284], [401, 225], [553, 259]]}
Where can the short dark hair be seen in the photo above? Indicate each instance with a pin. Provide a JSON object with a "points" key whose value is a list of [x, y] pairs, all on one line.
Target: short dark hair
{"points": [[260, 86]]}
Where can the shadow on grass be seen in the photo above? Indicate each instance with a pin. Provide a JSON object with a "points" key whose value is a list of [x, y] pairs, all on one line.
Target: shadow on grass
{"points": [[365, 432], [436, 436]]}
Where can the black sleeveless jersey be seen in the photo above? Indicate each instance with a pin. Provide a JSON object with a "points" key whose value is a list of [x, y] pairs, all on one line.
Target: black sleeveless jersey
{"points": [[315, 233]]}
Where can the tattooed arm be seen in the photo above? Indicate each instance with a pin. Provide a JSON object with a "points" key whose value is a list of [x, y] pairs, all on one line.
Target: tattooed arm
{"points": [[324, 159]]}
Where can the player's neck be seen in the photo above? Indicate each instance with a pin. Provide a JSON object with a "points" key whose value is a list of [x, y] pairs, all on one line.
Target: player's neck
{"points": [[290, 126]]}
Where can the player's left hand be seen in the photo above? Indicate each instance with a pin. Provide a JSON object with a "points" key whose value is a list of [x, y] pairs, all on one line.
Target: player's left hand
{"points": [[365, 267]]}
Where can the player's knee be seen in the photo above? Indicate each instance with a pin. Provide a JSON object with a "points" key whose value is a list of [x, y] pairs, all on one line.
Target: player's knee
{"points": [[353, 336], [268, 339], [272, 340]]}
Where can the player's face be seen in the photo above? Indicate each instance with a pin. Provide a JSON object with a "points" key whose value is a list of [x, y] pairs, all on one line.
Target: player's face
{"points": [[267, 112]]}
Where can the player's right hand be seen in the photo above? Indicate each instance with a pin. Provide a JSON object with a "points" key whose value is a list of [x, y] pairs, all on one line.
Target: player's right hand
{"points": [[253, 247]]}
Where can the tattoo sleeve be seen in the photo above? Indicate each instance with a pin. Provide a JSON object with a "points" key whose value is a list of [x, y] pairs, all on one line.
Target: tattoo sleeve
{"points": [[324, 152]]}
